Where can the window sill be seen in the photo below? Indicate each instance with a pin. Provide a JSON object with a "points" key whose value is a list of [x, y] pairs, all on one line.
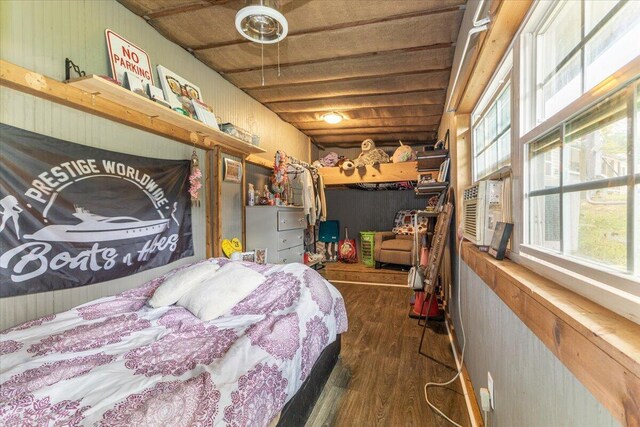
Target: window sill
{"points": [[601, 348]]}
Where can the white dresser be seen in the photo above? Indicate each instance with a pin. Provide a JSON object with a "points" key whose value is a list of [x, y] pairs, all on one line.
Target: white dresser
{"points": [[278, 229]]}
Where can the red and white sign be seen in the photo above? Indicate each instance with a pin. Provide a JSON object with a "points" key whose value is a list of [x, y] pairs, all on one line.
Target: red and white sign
{"points": [[125, 56]]}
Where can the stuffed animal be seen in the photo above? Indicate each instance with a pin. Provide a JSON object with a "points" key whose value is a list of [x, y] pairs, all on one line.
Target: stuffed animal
{"points": [[330, 159], [370, 155], [404, 153], [346, 164]]}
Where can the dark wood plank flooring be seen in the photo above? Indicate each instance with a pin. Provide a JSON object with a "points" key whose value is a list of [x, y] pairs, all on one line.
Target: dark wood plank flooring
{"points": [[380, 377]]}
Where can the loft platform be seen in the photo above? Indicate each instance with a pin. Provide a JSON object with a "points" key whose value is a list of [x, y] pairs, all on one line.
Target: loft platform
{"points": [[385, 172], [95, 95]]}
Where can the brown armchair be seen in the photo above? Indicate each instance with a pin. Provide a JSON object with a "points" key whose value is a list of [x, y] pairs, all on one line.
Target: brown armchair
{"points": [[397, 246], [393, 248]]}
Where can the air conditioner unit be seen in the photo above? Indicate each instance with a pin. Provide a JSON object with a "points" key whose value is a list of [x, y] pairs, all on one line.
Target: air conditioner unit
{"points": [[481, 210]]}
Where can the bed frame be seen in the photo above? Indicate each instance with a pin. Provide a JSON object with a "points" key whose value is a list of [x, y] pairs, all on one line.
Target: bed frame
{"points": [[296, 412]]}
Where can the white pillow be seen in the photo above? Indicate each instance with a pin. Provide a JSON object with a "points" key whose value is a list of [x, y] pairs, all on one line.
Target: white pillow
{"points": [[217, 295], [180, 283]]}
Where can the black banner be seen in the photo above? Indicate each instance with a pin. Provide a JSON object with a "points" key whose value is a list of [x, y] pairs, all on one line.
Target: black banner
{"points": [[73, 215]]}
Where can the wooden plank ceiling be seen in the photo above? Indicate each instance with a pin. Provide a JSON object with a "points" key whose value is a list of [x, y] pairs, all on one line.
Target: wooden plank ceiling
{"points": [[384, 65]]}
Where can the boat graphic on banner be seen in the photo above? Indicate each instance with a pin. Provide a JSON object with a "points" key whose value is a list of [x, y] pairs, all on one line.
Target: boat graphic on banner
{"points": [[96, 228], [73, 215]]}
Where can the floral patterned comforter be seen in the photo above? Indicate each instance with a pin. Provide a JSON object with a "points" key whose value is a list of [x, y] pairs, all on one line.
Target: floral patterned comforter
{"points": [[117, 362]]}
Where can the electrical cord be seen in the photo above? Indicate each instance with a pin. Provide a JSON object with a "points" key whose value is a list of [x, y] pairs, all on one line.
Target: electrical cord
{"points": [[464, 342]]}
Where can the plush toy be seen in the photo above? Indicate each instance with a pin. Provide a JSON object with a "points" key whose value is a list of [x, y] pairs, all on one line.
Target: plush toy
{"points": [[404, 153], [330, 159], [370, 155], [346, 164]]}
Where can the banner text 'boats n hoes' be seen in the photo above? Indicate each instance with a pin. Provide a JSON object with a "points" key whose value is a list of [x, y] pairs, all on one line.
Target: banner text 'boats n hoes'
{"points": [[73, 215]]}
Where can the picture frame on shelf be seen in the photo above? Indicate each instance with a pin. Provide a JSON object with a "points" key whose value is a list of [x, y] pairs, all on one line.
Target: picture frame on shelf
{"points": [[204, 114], [442, 173], [261, 256], [249, 256], [501, 234], [232, 170], [178, 91], [134, 84], [426, 177]]}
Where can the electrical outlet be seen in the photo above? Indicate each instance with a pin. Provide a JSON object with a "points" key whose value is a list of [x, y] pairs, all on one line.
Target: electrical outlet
{"points": [[490, 387]]}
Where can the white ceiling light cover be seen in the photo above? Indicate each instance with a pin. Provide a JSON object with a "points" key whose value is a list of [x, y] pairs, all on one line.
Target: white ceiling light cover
{"points": [[261, 24]]}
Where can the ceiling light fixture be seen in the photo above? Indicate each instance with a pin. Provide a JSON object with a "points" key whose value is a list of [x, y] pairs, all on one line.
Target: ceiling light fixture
{"points": [[332, 118], [261, 22]]}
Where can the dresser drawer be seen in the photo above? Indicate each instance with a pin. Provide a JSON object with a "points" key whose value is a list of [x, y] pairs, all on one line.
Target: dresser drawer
{"points": [[291, 220], [290, 238], [295, 254]]}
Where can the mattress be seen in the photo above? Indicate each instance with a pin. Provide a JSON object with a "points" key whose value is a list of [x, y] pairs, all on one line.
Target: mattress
{"points": [[116, 361]]}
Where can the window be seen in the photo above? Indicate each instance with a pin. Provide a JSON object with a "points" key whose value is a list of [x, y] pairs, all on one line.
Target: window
{"points": [[492, 135], [576, 45], [582, 193]]}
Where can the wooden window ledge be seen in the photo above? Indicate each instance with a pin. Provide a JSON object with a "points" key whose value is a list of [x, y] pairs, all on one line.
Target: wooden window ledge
{"points": [[600, 347]]}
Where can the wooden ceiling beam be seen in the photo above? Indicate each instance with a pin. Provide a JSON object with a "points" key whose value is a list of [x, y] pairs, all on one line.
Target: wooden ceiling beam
{"points": [[425, 97], [410, 136], [370, 113], [341, 26], [376, 123], [343, 57], [338, 96], [337, 69], [348, 79], [373, 130], [184, 8]]}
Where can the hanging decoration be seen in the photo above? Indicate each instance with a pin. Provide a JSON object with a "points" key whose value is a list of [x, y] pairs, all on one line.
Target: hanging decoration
{"points": [[75, 215], [195, 179], [279, 178]]}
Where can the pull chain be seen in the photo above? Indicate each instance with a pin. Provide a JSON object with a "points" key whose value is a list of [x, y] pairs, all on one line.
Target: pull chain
{"points": [[262, 56]]}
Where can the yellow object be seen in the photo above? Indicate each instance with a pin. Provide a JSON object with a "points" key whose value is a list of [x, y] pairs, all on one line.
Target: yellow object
{"points": [[231, 246]]}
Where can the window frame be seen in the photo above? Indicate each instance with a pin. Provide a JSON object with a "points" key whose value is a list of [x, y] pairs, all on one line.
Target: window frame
{"points": [[617, 292], [499, 82]]}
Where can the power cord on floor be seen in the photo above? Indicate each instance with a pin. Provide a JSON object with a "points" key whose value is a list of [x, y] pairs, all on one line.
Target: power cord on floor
{"points": [[464, 342]]}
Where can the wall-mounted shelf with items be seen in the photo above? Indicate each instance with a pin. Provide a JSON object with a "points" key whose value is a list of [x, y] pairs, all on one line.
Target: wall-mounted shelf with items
{"points": [[385, 172], [433, 173], [98, 96]]}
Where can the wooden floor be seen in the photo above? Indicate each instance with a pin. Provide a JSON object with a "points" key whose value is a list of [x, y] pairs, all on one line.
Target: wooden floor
{"points": [[380, 377], [358, 272]]}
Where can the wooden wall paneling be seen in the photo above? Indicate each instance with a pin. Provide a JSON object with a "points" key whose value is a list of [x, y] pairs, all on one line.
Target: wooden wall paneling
{"points": [[208, 201], [260, 161], [505, 22], [218, 203], [600, 348], [243, 190]]}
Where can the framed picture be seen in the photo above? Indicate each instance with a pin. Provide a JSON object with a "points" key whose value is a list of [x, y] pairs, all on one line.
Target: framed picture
{"points": [[232, 170], [425, 177], [134, 84], [178, 92], [500, 238], [204, 114], [261, 256], [442, 173], [248, 256]]}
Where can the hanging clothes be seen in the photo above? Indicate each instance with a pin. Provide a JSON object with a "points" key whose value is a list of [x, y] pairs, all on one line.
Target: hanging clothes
{"points": [[323, 200], [308, 198]]}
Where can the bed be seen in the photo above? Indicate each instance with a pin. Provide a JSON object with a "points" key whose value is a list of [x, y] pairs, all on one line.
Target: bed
{"points": [[116, 361]]}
